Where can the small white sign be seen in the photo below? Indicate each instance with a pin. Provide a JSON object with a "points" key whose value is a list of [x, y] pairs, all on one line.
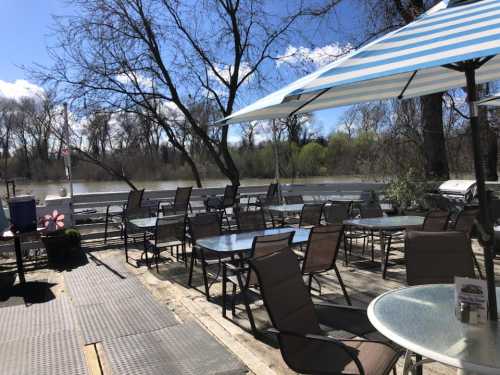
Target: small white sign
{"points": [[473, 294]]}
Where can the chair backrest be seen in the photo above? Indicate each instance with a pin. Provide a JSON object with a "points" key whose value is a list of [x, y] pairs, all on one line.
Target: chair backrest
{"points": [[264, 245], [250, 220], [230, 193], [372, 210], [181, 200], [170, 228], [294, 199], [271, 195], [322, 248], [465, 220], [436, 220], [311, 214], [285, 295], [205, 225], [336, 213], [134, 199], [437, 257]]}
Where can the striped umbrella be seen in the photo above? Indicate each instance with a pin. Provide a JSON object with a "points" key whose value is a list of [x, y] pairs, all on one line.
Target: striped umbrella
{"points": [[454, 44]]}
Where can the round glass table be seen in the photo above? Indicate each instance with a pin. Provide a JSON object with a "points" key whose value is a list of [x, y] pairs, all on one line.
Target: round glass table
{"points": [[422, 320]]}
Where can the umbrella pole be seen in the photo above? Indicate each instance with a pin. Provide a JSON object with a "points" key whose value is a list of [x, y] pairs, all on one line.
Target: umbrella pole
{"points": [[470, 74], [276, 160]]}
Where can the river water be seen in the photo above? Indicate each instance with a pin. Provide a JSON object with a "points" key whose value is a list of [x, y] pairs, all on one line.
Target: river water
{"points": [[41, 189]]}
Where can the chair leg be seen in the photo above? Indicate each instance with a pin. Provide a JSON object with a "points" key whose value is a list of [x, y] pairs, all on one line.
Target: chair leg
{"points": [[193, 256], [247, 303], [205, 276], [224, 290], [346, 260], [309, 283], [373, 247], [106, 222], [386, 258], [233, 301], [342, 286], [157, 258]]}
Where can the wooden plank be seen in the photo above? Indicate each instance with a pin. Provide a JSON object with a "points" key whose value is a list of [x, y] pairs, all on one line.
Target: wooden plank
{"points": [[92, 359]]}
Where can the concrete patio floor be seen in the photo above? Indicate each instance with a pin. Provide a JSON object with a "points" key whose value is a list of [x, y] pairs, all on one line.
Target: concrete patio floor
{"points": [[169, 288]]}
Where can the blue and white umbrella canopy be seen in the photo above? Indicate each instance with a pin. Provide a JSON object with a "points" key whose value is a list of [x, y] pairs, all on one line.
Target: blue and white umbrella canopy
{"points": [[409, 62]]}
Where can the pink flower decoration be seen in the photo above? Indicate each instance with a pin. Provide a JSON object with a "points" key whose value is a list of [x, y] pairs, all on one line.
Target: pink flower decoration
{"points": [[53, 222]]}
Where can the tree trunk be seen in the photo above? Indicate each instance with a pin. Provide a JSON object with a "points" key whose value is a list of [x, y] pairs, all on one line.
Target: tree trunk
{"points": [[436, 161], [488, 138]]}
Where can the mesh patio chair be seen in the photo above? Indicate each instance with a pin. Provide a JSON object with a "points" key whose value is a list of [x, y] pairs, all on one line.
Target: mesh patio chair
{"points": [[221, 204], [370, 211], [311, 214], [465, 222], [134, 201], [436, 221], [250, 220], [321, 254], [304, 346], [336, 213], [294, 199], [181, 202], [270, 198], [244, 278], [169, 233], [437, 257], [202, 226]]}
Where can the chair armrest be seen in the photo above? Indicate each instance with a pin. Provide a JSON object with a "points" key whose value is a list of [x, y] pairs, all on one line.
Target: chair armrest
{"points": [[325, 340], [338, 306], [234, 268]]}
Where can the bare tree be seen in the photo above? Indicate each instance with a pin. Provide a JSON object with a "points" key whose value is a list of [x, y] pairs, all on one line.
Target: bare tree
{"points": [[122, 52]]}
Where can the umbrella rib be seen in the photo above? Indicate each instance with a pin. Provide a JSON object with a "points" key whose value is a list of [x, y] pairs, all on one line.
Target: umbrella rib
{"points": [[400, 96], [309, 101]]}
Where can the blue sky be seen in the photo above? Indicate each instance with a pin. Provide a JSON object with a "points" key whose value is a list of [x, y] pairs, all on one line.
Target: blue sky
{"points": [[25, 32]]}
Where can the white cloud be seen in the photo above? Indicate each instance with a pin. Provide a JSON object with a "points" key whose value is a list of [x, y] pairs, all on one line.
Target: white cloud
{"points": [[225, 71], [317, 57], [20, 89], [130, 78]]}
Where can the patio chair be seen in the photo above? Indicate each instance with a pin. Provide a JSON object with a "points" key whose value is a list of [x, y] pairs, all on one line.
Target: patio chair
{"points": [[202, 226], [436, 220], [336, 213], [465, 222], [437, 257], [294, 199], [250, 220], [270, 198], [181, 202], [321, 254], [304, 346], [134, 201], [311, 214], [370, 211], [243, 278], [221, 204], [169, 233]]}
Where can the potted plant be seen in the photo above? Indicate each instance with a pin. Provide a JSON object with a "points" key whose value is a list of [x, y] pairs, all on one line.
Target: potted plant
{"points": [[59, 242], [405, 193]]}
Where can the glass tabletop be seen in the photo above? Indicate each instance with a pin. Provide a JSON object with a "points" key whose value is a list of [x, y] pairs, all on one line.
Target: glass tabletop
{"points": [[284, 208], [422, 319], [387, 222], [243, 241], [144, 223]]}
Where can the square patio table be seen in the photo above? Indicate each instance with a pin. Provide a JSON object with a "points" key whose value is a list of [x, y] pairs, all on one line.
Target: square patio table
{"points": [[386, 224], [241, 242]]}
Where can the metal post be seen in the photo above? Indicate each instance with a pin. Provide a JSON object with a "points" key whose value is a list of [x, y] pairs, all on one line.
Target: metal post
{"points": [[485, 221], [67, 155], [276, 160]]}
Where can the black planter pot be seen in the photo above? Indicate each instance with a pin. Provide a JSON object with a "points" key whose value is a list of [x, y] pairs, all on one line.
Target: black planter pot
{"points": [[60, 249]]}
